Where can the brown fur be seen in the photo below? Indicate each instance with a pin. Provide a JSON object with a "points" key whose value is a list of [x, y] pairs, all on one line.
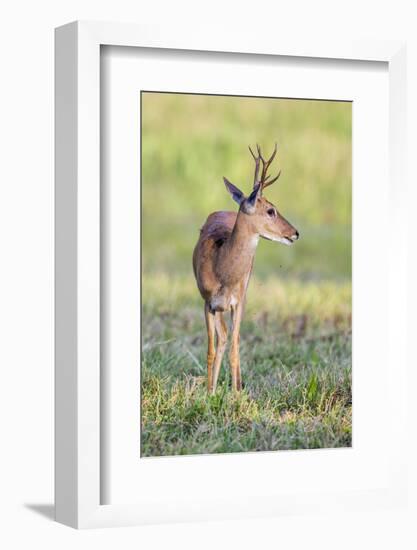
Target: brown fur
{"points": [[222, 262], [224, 254]]}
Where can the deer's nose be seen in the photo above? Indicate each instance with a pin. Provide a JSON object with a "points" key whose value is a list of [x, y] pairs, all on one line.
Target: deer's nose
{"points": [[296, 236]]}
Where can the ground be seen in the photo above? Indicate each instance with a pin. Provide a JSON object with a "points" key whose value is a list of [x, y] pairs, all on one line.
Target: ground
{"points": [[296, 370]]}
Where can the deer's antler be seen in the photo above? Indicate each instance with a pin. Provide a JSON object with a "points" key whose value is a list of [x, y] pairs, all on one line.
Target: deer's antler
{"points": [[257, 163], [264, 180]]}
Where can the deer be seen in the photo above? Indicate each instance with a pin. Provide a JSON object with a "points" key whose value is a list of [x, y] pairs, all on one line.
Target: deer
{"points": [[223, 261]]}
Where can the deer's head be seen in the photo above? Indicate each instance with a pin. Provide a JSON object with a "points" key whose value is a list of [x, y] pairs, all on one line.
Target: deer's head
{"points": [[263, 216]]}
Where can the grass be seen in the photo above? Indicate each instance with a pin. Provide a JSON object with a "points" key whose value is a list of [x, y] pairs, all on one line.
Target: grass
{"points": [[295, 336], [190, 142], [296, 367]]}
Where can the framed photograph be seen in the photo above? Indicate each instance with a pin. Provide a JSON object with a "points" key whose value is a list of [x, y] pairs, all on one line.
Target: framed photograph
{"points": [[230, 335]]}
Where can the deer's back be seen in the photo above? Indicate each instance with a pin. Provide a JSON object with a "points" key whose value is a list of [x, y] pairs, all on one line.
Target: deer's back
{"points": [[213, 234]]}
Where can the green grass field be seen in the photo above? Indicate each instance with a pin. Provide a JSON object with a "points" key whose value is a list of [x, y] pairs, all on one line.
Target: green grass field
{"points": [[296, 332]]}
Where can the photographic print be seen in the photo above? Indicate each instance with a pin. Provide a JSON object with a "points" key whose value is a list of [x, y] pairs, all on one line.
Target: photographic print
{"points": [[245, 274]]}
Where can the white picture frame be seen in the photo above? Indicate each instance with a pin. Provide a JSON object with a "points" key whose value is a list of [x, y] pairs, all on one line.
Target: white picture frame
{"points": [[78, 405]]}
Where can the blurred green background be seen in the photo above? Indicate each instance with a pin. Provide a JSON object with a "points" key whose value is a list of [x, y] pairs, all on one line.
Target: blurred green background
{"points": [[296, 339], [189, 142]]}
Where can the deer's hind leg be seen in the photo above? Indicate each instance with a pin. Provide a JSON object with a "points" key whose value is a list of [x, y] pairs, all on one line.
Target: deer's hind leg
{"points": [[221, 332], [210, 324]]}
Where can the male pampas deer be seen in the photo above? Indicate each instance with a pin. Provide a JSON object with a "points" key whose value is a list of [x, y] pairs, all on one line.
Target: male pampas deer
{"points": [[223, 261]]}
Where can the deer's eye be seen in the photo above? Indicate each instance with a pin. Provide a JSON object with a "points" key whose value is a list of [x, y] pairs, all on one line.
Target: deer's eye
{"points": [[271, 212]]}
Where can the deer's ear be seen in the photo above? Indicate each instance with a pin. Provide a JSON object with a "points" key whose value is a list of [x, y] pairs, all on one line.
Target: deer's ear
{"points": [[250, 202], [236, 193]]}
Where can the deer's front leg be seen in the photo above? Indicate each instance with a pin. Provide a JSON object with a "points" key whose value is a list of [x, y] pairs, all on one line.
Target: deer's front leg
{"points": [[234, 347], [210, 324]]}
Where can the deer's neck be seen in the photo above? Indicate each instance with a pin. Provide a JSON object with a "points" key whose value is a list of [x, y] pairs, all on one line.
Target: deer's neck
{"points": [[239, 250], [244, 239]]}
